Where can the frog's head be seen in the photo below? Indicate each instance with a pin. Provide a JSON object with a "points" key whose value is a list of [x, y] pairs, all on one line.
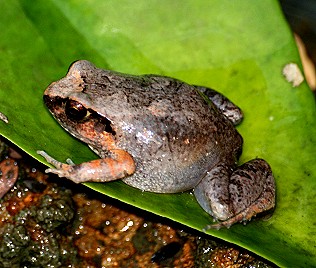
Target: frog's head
{"points": [[71, 103]]}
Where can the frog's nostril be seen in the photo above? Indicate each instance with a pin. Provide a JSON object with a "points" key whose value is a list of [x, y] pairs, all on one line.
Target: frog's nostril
{"points": [[51, 102], [46, 99]]}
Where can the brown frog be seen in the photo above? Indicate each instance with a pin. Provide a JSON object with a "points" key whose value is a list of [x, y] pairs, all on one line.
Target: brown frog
{"points": [[161, 135]]}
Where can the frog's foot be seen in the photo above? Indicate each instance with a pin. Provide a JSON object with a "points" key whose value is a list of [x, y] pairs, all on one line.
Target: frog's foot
{"points": [[61, 169], [258, 207], [117, 165], [238, 197]]}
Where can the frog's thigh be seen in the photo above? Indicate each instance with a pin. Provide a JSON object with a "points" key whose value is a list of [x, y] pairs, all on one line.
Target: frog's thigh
{"points": [[212, 192], [249, 190]]}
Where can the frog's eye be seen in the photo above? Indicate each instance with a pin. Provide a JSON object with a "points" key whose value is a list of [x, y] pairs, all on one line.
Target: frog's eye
{"points": [[75, 110]]}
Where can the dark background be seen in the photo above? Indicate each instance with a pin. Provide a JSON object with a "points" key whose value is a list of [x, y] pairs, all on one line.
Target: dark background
{"points": [[301, 15]]}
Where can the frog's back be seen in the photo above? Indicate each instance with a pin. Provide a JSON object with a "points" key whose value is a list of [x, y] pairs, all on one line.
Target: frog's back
{"points": [[173, 134]]}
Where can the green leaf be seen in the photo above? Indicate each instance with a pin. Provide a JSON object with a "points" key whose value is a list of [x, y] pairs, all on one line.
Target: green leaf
{"points": [[237, 47]]}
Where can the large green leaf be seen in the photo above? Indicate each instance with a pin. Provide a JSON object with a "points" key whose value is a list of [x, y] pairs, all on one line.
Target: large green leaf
{"points": [[237, 47]]}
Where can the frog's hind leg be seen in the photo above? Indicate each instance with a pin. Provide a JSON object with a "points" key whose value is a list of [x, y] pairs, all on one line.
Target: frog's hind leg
{"points": [[237, 196], [228, 108]]}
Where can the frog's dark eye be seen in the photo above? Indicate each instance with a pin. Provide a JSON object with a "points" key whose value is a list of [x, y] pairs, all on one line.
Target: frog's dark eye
{"points": [[75, 110]]}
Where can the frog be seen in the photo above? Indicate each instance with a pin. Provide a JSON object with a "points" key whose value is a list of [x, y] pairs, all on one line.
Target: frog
{"points": [[162, 135]]}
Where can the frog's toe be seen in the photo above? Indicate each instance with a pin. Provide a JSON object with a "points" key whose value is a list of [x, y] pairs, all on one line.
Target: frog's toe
{"points": [[229, 222], [260, 207], [217, 226], [70, 162], [58, 165], [59, 172]]}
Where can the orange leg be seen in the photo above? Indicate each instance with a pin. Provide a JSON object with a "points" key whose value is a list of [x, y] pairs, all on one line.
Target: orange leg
{"points": [[117, 165]]}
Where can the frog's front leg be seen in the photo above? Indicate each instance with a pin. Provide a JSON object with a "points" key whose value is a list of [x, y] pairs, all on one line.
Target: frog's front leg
{"points": [[117, 165], [235, 196]]}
